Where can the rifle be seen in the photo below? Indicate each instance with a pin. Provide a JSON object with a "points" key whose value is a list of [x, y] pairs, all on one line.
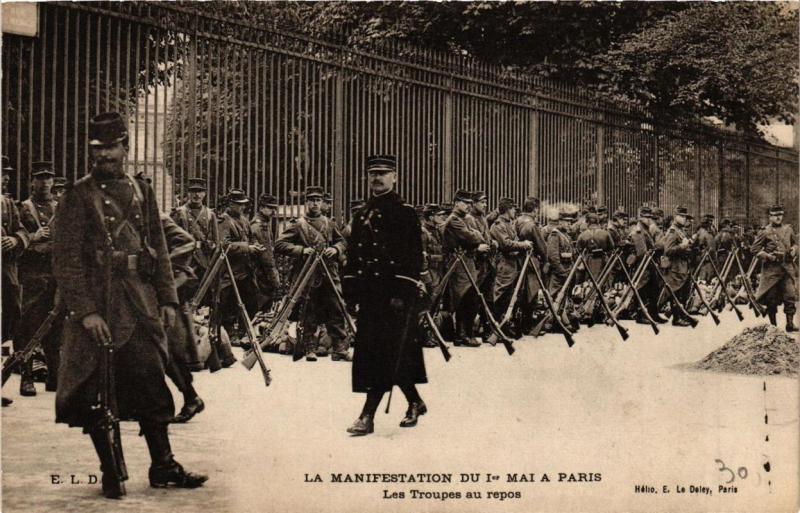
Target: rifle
{"points": [[553, 308], [442, 287], [510, 310], [590, 296], [692, 320], [746, 282], [279, 322], [108, 423], [634, 284], [437, 335], [639, 301], [21, 357], [623, 332], [726, 269], [339, 299], [560, 299], [696, 288], [509, 345], [725, 290], [254, 343]]}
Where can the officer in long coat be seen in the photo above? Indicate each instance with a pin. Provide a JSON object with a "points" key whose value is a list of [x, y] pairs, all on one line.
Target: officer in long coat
{"points": [[460, 237], [382, 280], [527, 228], [114, 275], [511, 255], [314, 232], [677, 251], [776, 247], [15, 240], [39, 286], [201, 223]]}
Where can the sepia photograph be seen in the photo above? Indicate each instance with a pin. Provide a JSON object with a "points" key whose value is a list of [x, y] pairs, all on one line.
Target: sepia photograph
{"points": [[400, 256]]}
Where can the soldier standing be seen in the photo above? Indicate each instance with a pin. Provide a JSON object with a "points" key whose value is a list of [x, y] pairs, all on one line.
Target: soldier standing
{"points": [[703, 239], [484, 262], [648, 284], [234, 231], [267, 278], [110, 219], [459, 236], [527, 229], [59, 187], [559, 253], [677, 251], [776, 247], [597, 243], [36, 273], [201, 223], [310, 233], [383, 278], [432, 243], [15, 240]]}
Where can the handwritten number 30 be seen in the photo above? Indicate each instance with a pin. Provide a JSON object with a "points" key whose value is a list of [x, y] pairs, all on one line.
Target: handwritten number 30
{"points": [[741, 471]]}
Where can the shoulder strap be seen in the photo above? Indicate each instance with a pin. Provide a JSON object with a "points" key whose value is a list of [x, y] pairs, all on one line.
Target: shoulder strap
{"points": [[28, 205]]}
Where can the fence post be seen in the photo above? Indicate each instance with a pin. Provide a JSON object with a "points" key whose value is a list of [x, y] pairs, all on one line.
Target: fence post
{"points": [[721, 192], [698, 184], [338, 148], [600, 151], [192, 111], [533, 156], [747, 183], [656, 167], [447, 177]]}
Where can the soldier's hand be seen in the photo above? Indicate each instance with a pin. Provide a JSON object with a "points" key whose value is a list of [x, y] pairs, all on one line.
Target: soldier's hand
{"points": [[308, 251], [528, 244], [483, 248], [167, 315], [330, 252], [9, 242], [97, 328]]}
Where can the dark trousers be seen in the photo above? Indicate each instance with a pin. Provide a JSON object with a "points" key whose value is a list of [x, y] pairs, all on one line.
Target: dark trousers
{"points": [[41, 293], [229, 307], [322, 307]]}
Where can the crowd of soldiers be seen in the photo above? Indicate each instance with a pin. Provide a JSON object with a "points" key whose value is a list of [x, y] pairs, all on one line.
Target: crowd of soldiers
{"points": [[489, 275]]}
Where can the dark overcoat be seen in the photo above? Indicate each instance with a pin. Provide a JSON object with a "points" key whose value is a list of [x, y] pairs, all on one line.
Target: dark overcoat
{"points": [[12, 292], [90, 212], [598, 244], [459, 236], [528, 228], [677, 273], [385, 258], [511, 250], [782, 239], [203, 225]]}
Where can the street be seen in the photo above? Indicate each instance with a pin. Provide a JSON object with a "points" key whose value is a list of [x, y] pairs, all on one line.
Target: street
{"points": [[624, 414]]}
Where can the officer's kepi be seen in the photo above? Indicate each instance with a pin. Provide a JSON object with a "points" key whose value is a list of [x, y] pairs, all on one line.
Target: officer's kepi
{"points": [[381, 164]]}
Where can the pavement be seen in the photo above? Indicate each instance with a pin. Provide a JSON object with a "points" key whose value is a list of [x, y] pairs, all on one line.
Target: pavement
{"points": [[600, 419]]}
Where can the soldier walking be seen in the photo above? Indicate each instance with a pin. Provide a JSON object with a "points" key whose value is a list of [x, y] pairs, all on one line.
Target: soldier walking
{"points": [[383, 279], [108, 219], [776, 247]]}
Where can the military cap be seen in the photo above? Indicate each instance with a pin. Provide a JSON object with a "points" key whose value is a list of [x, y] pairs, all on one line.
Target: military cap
{"points": [[708, 216], [478, 196], [7, 164], [42, 168], [419, 209], [725, 222], [645, 211], [689, 217], [381, 163], [445, 208], [532, 201], [775, 210], [267, 200], [592, 217], [507, 203], [356, 204], [237, 196], [681, 211], [462, 195], [620, 214], [327, 198], [59, 182], [107, 129], [314, 191], [602, 210], [430, 209], [567, 215], [658, 212], [196, 184]]}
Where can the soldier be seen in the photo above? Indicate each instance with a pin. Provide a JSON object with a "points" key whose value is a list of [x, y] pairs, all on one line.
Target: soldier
{"points": [[527, 229], [15, 241], [201, 223], [59, 186], [559, 253], [432, 243], [181, 342], [234, 231], [267, 277], [355, 206], [675, 261], [597, 243], [459, 236], [327, 206], [383, 279], [776, 247], [38, 283], [309, 233], [484, 262], [657, 224], [702, 240], [108, 218], [617, 226], [512, 251], [648, 284]]}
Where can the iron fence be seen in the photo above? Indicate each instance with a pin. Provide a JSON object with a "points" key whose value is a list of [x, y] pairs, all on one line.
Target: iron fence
{"points": [[272, 111]]}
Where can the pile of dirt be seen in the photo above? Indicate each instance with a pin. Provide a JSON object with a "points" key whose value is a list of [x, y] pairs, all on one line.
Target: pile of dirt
{"points": [[761, 350]]}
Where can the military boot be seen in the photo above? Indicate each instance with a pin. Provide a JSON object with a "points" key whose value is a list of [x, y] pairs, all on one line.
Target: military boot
{"points": [[790, 327], [415, 409], [114, 472], [678, 319], [772, 314], [26, 386], [164, 470], [363, 425], [340, 352]]}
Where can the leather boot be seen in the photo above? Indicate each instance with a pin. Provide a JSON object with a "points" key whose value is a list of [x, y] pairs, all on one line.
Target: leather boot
{"points": [[26, 386], [190, 408], [772, 314], [164, 470], [678, 319], [363, 425], [790, 327], [415, 409], [340, 352], [113, 484]]}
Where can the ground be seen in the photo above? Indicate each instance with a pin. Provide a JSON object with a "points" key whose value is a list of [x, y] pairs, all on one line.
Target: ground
{"points": [[622, 413]]}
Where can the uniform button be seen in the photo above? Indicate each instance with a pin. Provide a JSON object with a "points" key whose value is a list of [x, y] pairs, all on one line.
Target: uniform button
{"points": [[377, 274], [72, 312], [359, 272], [136, 216], [107, 202], [391, 261], [102, 186], [374, 243], [112, 218]]}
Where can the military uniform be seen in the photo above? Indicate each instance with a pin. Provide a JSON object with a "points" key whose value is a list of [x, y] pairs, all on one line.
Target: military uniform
{"points": [[202, 224], [559, 258], [776, 247], [12, 290], [648, 284], [321, 305], [527, 229], [267, 277], [511, 253], [703, 240], [38, 283], [484, 262], [675, 263], [598, 244]]}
